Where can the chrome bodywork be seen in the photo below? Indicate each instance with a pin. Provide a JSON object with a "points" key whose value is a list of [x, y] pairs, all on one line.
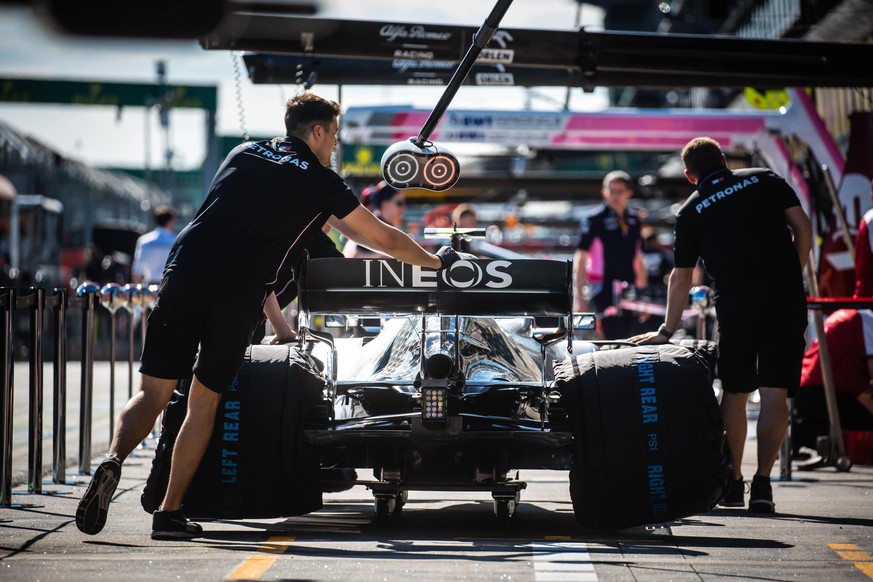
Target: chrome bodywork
{"points": [[493, 371]]}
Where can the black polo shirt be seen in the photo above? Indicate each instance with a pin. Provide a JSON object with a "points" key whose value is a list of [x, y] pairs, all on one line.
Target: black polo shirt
{"points": [[619, 246], [735, 222], [265, 203]]}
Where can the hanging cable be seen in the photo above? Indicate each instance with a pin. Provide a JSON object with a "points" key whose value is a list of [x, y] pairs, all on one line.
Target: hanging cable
{"points": [[241, 112]]}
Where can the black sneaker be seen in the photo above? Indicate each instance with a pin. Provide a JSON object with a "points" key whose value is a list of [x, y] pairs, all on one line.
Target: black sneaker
{"points": [[734, 495], [94, 505], [172, 525], [761, 496]]}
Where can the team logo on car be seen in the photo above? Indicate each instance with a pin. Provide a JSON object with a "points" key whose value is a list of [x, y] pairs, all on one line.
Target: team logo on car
{"points": [[463, 274]]}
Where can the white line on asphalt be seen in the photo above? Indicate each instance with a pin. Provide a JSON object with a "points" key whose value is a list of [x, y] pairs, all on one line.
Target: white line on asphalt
{"points": [[562, 562]]}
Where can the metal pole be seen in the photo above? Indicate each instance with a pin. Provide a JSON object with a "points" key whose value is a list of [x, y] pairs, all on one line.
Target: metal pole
{"points": [[132, 298], [34, 472], [112, 296], [111, 375], [480, 41], [88, 293], [837, 453], [7, 303], [131, 324], [149, 296], [59, 432], [838, 210]]}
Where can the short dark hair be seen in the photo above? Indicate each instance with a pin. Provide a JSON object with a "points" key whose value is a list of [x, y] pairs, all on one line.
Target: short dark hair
{"points": [[164, 215], [375, 196], [462, 210], [618, 176], [701, 156], [305, 110]]}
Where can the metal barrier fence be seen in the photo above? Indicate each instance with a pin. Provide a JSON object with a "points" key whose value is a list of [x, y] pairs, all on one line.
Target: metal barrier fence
{"points": [[133, 298]]}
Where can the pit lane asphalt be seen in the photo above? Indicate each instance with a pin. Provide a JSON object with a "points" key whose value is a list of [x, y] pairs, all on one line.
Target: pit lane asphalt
{"points": [[823, 530]]}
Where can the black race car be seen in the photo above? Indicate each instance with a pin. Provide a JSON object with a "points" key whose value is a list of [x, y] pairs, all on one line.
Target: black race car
{"points": [[458, 379]]}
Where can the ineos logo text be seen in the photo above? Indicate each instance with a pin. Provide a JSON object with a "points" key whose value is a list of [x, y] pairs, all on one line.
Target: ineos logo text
{"points": [[456, 275], [461, 275]]}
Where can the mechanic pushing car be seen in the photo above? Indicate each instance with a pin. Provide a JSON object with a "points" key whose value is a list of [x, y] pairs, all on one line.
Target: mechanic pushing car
{"points": [[266, 202], [741, 224]]}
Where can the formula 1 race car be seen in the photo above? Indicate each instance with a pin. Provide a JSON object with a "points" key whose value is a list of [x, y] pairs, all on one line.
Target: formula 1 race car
{"points": [[453, 389], [458, 380]]}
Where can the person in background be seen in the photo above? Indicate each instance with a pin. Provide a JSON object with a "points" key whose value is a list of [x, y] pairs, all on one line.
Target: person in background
{"points": [[849, 334], [754, 239], [864, 257], [609, 249], [386, 203], [464, 216], [657, 259], [658, 262], [273, 196], [153, 248]]}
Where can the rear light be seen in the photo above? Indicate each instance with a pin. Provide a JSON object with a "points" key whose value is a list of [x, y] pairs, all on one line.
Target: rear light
{"points": [[433, 404]]}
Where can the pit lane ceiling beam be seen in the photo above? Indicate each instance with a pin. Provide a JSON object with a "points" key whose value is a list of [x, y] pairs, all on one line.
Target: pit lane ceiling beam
{"points": [[581, 188], [266, 68], [603, 58]]}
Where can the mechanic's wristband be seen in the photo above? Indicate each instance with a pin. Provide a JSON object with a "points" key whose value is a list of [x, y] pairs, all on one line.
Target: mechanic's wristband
{"points": [[664, 331]]}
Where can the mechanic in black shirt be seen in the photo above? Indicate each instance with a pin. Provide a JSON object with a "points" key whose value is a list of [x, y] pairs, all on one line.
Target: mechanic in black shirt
{"points": [[609, 250], [265, 203], [741, 224], [285, 290]]}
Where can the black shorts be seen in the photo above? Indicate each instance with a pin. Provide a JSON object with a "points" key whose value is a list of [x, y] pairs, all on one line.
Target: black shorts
{"points": [[758, 349], [200, 325]]}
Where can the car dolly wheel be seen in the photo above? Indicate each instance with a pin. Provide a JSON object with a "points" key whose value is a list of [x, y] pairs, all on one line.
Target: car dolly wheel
{"points": [[389, 506], [504, 507]]}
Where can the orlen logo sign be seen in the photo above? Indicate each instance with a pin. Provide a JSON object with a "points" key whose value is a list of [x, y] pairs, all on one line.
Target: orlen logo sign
{"points": [[461, 275]]}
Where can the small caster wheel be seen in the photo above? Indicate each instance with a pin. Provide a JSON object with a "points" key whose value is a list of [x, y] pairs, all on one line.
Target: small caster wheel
{"points": [[504, 510], [843, 463], [385, 508]]}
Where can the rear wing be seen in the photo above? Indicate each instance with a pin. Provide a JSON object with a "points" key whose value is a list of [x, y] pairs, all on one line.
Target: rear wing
{"points": [[476, 287]]}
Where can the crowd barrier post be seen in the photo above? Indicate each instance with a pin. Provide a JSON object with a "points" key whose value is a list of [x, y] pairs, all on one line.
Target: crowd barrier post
{"points": [[149, 296], [112, 298], [132, 300], [87, 292], [36, 304], [58, 304], [7, 305]]}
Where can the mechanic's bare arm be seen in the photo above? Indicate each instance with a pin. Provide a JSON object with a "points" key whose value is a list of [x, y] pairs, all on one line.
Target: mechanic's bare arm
{"points": [[801, 228], [351, 233], [678, 286], [280, 325], [389, 240], [642, 276], [580, 279]]}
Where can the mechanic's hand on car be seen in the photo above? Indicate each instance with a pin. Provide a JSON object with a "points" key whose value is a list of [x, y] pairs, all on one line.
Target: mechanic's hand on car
{"points": [[447, 256], [651, 338], [284, 338]]}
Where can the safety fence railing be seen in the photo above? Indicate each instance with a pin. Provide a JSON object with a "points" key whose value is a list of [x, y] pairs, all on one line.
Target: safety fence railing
{"points": [[134, 299]]}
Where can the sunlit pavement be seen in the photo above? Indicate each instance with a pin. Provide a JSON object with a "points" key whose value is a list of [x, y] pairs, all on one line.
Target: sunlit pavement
{"points": [[823, 530]]}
